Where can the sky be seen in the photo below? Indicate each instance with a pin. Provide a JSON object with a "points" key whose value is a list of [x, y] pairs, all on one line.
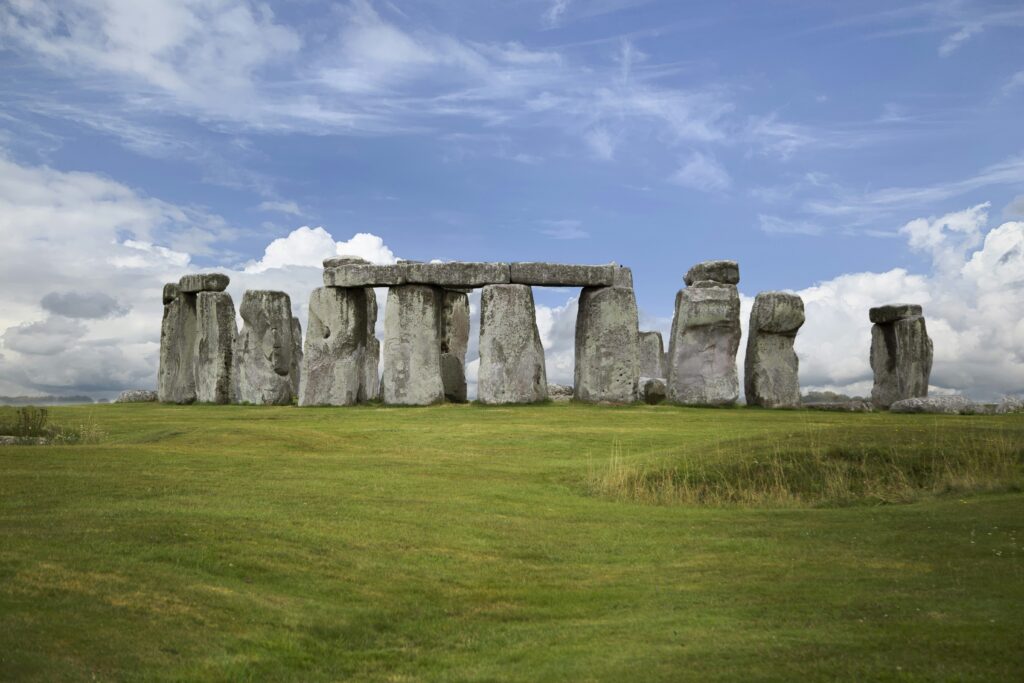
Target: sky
{"points": [[854, 153]]}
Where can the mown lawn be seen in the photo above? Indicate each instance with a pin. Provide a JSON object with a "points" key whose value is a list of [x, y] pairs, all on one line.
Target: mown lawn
{"points": [[471, 543]]}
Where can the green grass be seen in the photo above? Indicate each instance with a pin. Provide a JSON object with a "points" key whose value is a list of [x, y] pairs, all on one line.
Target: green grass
{"points": [[553, 542]]}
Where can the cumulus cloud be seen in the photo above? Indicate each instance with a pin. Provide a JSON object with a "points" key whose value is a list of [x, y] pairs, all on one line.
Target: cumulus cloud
{"points": [[86, 305], [307, 246], [702, 172]]}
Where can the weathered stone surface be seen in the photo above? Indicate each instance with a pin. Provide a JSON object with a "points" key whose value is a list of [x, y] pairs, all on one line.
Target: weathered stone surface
{"points": [[561, 275], [176, 382], [722, 272], [893, 312], [203, 282], [771, 371], [560, 392], [215, 346], [901, 358], [365, 275], [412, 346], [949, 405], [842, 406], [265, 348], [343, 260], [652, 355], [607, 346], [702, 346], [295, 375], [511, 356], [454, 342], [335, 358], [171, 292], [622, 277], [371, 364], [654, 390], [136, 396], [452, 274]]}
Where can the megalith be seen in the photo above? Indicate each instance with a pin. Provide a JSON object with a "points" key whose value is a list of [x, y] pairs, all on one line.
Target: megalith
{"points": [[412, 346], [607, 346], [295, 374], [266, 348], [652, 355], [901, 353], [454, 342], [176, 381], [705, 337], [215, 345], [371, 361], [511, 355], [771, 368], [336, 350]]}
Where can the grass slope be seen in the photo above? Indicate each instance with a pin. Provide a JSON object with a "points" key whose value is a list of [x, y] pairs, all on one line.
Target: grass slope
{"points": [[470, 543]]}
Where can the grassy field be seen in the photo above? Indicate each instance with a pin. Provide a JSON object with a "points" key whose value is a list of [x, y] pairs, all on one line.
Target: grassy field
{"points": [[554, 542]]}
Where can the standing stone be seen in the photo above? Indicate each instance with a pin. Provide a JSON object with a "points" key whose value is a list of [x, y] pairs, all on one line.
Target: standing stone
{"points": [[511, 355], [454, 341], [336, 350], [607, 346], [176, 382], [412, 346], [901, 354], [265, 348], [771, 368], [371, 361], [652, 355], [214, 359], [295, 375], [705, 337]]}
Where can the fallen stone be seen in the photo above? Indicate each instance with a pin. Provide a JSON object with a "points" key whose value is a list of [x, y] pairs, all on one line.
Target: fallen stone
{"points": [[842, 406], [722, 272], [336, 350], [412, 346], [893, 312], [560, 392], [561, 275], [771, 369], [702, 346], [607, 346], [215, 346], [901, 358], [654, 390], [136, 396], [949, 405], [203, 282], [454, 342], [176, 382], [511, 356], [265, 348], [652, 355]]}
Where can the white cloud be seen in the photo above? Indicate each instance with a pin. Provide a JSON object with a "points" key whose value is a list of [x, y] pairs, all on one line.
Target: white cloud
{"points": [[565, 229], [287, 207], [552, 16], [1015, 83], [955, 40], [702, 172], [1015, 209], [601, 143], [773, 225]]}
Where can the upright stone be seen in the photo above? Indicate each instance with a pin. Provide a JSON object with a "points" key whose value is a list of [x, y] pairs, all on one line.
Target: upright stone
{"points": [[901, 354], [705, 337], [454, 341], [295, 375], [266, 348], [607, 346], [215, 344], [371, 363], [176, 381], [652, 355], [412, 346], [511, 355], [771, 369], [336, 349]]}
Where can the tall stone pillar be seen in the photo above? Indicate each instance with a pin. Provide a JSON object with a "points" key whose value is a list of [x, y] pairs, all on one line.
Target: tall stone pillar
{"points": [[652, 355], [771, 369], [266, 348], [412, 346], [295, 374], [511, 356], [176, 382], [454, 342], [607, 345], [215, 345], [901, 353], [334, 364], [705, 337], [371, 361]]}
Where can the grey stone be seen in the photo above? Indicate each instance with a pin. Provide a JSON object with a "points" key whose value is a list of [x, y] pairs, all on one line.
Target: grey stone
{"points": [[203, 282], [458, 274], [771, 376], [365, 275], [560, 392], [901, 358], [1009, 405], [561, 275], [215, 344], [344, 260], [295, 375], [949, 405], [265, 348], [136, 396], [371, 363], [722, 272], [511, 356], [412, 346], [622, 277], [336, 352], [652, 355], [842, 406], [176, 381], [607, 346], [892, 312], [702, 346], [171, 292], [454, 342], [654, 390]]}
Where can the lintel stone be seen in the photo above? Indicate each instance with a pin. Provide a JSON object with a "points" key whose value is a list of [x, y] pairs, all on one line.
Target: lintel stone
{"points": [[890, 313], [203, 282]]}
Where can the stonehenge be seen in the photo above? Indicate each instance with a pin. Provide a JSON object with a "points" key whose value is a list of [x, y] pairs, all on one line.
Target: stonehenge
{"points": [[511, 355], [771, 368], [412, 346], [607, 346], [337, 349], [454, 343], [214, 353], [705, 337], [266, 349], [901, 353], [652, 355]]}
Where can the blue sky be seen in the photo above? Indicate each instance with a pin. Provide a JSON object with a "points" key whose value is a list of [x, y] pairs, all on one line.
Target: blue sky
{"points": [[801, 138]]}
